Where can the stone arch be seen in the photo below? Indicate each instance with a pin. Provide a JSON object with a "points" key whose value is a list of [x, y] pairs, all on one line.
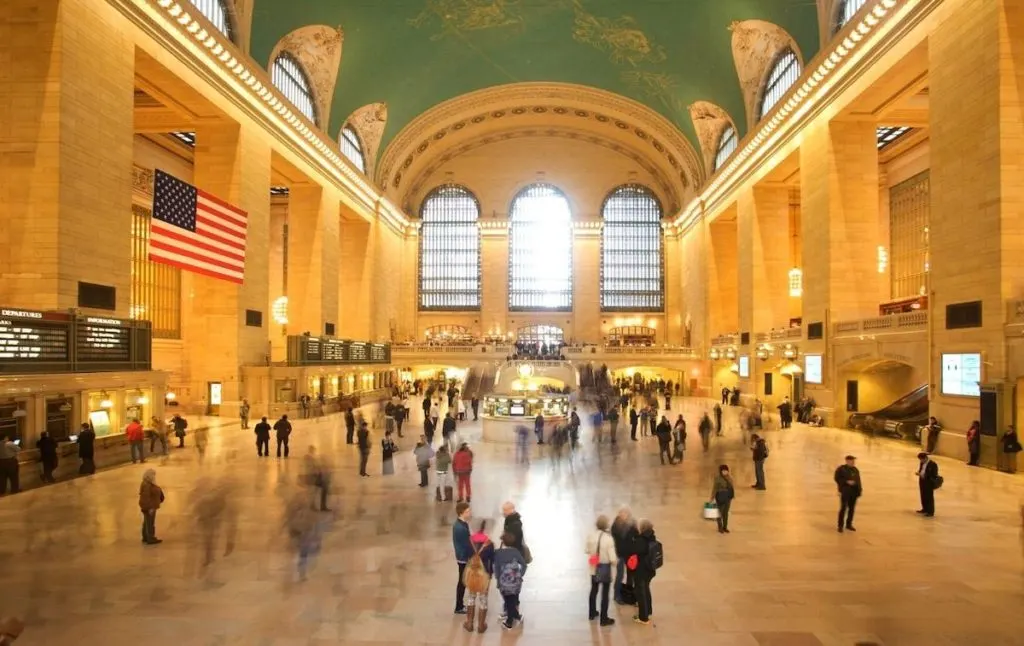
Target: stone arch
{"points": [[318, 49], [755, 46], [710, 121], [369, 122], [545, 110]]}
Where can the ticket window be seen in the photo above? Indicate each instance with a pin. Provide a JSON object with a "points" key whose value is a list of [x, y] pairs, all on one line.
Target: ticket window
{"points": [[103, 418], [284, 391], [58, 418], [138, 405], [12, 425]]}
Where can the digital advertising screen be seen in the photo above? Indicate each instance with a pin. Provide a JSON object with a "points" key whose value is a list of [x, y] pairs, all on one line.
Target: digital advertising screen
{"points": [[961, 374], [813, 368]]}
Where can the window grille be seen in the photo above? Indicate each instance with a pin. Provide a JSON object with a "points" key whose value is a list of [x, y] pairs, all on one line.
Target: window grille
{"points": [[631, 266], [352, 148], [784, 74], [450, 250], [291, 80], [155, 294]]}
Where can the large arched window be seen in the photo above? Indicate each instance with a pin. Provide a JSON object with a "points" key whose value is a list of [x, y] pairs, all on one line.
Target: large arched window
{"points": [[352, 148], [845, 12], [540, 250], [450, 250], [289, 77], [726, 146], [783, 75], [631, 273], [216, 11]]}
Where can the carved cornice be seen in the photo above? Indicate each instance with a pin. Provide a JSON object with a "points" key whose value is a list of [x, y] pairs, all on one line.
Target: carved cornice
{"points": [[570, 104]]}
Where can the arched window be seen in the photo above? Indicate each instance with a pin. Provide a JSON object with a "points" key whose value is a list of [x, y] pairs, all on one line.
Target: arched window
{"points": [[783, 75], [631, 273], [292, 81], [450, 250], [540, 250], [216, 11], [352, 148], [726, 146], [845, 12]]}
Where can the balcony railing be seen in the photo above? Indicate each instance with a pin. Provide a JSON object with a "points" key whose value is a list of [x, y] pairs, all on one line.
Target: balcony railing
{"points": [[580, 351], [906, 322], [725, 339]]}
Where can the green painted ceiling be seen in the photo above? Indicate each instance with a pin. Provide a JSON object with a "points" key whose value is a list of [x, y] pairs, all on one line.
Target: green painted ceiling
{"points": [[414, 54]]}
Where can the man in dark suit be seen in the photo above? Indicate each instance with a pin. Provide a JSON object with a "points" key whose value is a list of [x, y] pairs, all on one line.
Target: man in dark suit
{"points": [[928, 482], [633, 419], [847, 479]]}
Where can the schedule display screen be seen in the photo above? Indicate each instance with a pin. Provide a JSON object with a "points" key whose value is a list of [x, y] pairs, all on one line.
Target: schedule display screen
{"points": [[961, 374], [744, 366], [27, 336], [305, 350], [102, 339], [812, 368]]}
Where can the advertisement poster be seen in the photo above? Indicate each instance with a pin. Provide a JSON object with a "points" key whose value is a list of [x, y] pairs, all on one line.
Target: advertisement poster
{"points": [[961, 374], [812, 368], [744, 366]]}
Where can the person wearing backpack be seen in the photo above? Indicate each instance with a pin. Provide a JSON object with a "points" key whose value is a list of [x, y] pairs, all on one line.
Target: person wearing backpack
{"points": [[510, 567], [463, 544], [477, 579], [647, 557], [759, 451], [601, 555]]}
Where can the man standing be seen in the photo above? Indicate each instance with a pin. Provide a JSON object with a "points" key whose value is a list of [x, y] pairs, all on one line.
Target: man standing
{"points": [[262, 432], [363, 438], [718, 419], [284, 430], [86, 452], [9, 465], [705, 431], [399, 415], [475, 405], [448, 431], [513, 526], [928, 481], [538, 428], [633, 419], [725, 395], [463, 551], [350, 426], [243, 413], [785, 413], [664, 433], [623, 533], [759, 451], [180, 424], [613, 421], [848, 481]]}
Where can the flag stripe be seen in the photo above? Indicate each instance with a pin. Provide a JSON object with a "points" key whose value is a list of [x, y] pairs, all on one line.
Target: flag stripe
{"points": [[237, 212], [219, 212], [193, 267], [204, 218], [188, 238], [185, 252]]}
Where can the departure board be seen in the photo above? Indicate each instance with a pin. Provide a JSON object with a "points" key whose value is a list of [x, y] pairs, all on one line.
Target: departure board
{"points": [[379, 353], [102, 339], [333, 351], [31, 337], [358, 352], [307, 350]]}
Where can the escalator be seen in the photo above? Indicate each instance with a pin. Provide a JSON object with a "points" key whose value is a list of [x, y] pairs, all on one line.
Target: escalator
{"points": [[901, 419], [472, 384], [485, 385]]}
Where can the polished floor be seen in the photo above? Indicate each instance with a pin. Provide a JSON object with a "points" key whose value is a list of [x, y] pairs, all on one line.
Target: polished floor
{"points": [[74, 568]]}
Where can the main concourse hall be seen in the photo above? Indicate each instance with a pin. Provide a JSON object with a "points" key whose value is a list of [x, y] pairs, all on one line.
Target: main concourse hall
{"points": [[265, 266]]}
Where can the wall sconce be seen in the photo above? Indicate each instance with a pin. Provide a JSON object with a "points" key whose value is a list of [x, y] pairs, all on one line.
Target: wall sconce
{"points": [[170, 396], [106, 402], [731, 354], [763, 352], [279, 310], [796, 282], [734, 368], [715, 354], [142, 400], [883, 259], [19, 412], [789, 352]]}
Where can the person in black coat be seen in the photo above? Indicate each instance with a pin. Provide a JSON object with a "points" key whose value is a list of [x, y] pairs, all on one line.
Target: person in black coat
{"points": [[513, 525], [624, 532], [664, 434], [350, 426], [262, 432], [86, 440], [47, 455], [927, 478], [363, 438], [284, 431], [633, 419], [644, 573], [399, 415], [847, 479], [448, 430]]}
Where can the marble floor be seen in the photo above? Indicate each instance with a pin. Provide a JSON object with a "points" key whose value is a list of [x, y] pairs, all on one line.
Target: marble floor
{"points": [[74, 569]]}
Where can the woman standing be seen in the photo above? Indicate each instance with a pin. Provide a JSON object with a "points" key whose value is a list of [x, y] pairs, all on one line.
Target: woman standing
{"points": [[602, 558], [679, 439], [722, 493], [388, 450], [974, 443], [933, 430], [150, 498], [643, 572]]}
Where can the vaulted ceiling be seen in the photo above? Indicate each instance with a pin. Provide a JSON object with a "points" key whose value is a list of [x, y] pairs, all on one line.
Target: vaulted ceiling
{"points": [[411, 55]]}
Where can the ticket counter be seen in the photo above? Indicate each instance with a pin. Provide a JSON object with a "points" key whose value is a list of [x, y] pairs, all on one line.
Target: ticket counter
{"points": [[502, 414]]}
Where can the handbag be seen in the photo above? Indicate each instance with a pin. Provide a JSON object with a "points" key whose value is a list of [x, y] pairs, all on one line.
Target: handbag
{"points": [[602, 571], [711, 511]]}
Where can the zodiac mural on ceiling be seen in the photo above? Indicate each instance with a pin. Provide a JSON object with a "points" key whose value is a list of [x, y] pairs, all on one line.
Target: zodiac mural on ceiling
{"points": [[621, 38], [457, 16]]}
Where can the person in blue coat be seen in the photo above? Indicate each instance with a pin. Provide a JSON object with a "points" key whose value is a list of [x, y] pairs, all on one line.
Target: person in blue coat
{"points": [[463, 545]]}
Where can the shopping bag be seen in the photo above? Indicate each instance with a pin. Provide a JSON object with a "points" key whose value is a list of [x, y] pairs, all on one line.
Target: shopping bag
{"points": [[711, 511]]}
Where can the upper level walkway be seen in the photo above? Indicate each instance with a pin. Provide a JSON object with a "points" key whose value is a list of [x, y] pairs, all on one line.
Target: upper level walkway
{"points": [[449, 353], [74, 567]]}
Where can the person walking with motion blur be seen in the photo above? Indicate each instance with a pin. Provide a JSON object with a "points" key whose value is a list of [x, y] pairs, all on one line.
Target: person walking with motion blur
{"points": [[424, 454], [633, 420], [243, 413], [284, 431], [705, 431], [202, 438], [179, 424], [86, 451], [388, 448], [47, 447], [974, 443], [679, 440], [315, 477], [722, 493], [759, 453], [443, 463], [159, 434], [847, 479], [522, 445], [136, 438], [350, 426], [462, 464], [538, 428], [623, 533], [602, 558], [150, 498], [477, 579], [262, 432]]}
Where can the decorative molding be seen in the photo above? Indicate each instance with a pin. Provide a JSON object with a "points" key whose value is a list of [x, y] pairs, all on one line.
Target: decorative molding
{"points": [[664, 187], [369, 122], [318, 50], [710, 121], [755, 46], [142, 181], [599, 108]]}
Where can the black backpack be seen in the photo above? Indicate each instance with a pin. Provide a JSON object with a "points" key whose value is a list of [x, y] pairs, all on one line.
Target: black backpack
{"points": [[655, 555]]}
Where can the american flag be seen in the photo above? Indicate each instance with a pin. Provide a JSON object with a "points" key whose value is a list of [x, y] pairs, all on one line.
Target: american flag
{"points": [[196, 231]]}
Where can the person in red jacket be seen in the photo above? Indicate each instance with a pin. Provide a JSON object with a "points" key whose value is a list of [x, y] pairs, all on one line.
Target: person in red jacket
{"points": [[136, 435], [462, 465]]}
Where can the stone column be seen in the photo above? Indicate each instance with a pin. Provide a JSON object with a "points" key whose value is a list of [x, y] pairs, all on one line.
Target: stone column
{"points": [[494, 245], [232, 163], [313, 252], [723, 275], [586, 286], [66, 104], [976, 74], [354, 276]]}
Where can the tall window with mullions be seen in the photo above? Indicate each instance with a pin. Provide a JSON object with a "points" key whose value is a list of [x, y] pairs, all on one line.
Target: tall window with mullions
{"points": [[450, 250], [632, 278], [540, 250]]}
